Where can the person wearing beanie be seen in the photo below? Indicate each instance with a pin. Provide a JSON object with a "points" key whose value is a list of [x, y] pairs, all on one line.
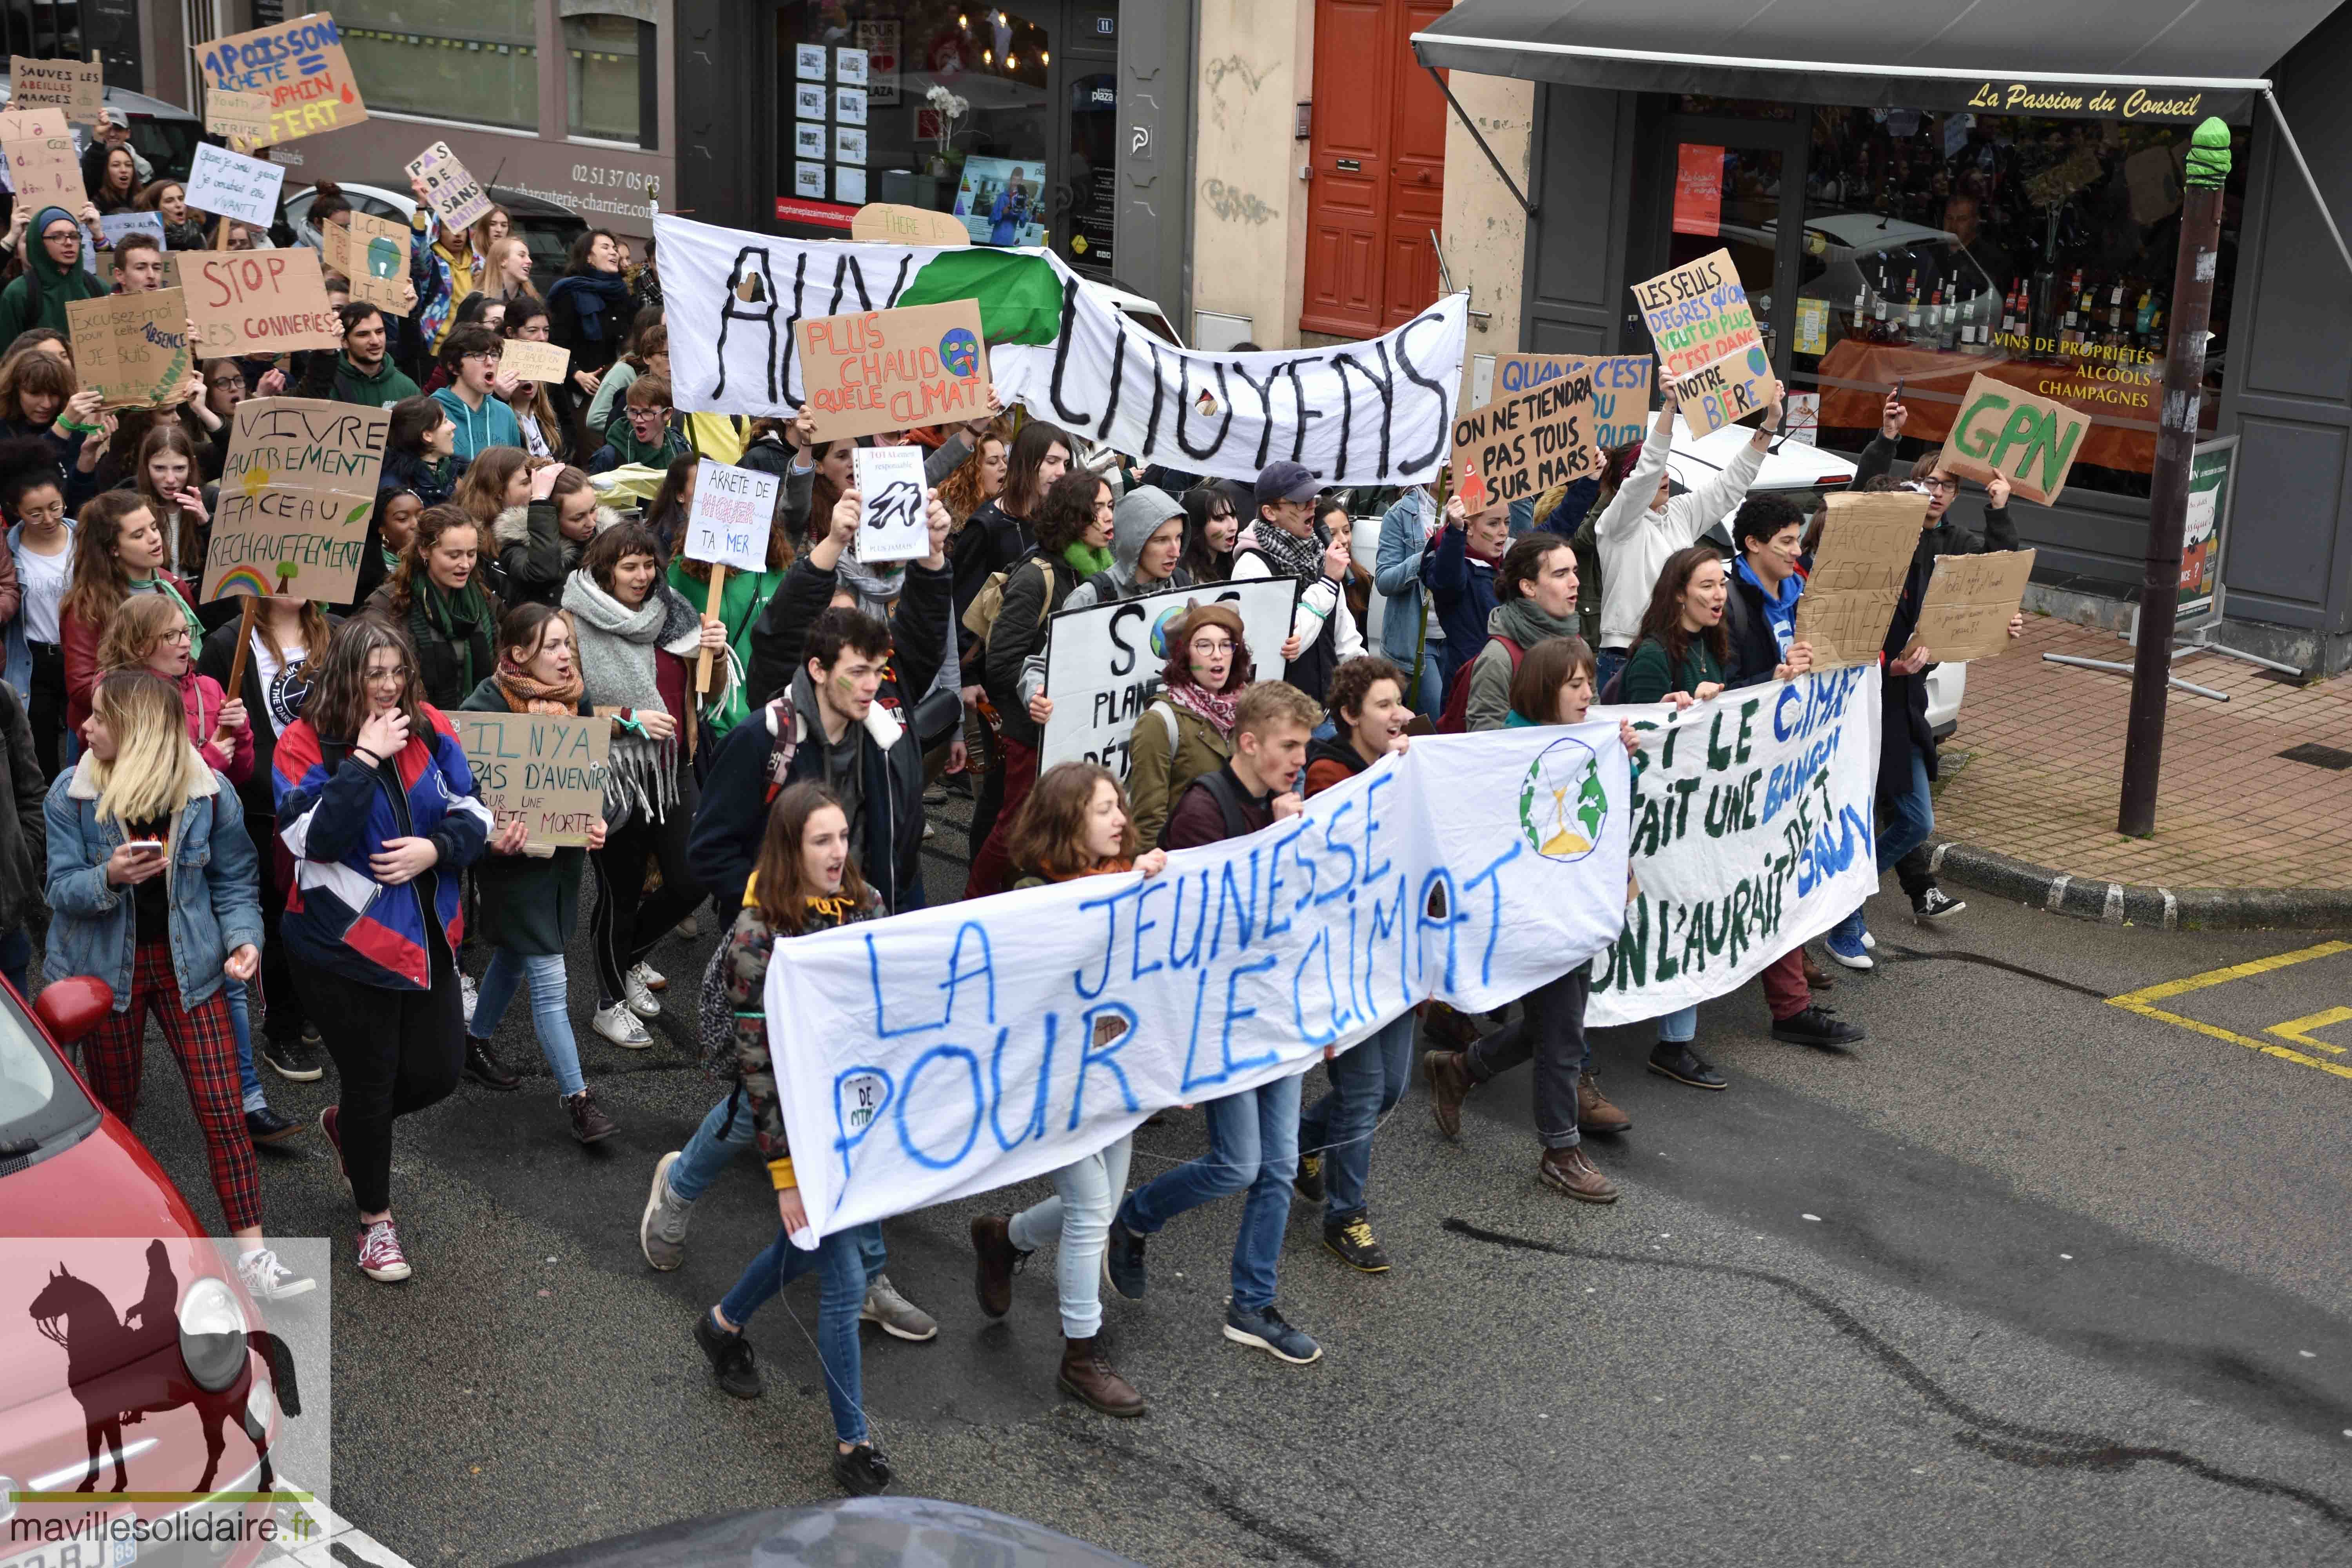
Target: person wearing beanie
{"points": [[1188, 731], [53, 275]]}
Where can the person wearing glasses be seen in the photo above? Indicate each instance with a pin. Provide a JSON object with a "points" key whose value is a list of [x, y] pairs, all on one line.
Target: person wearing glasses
{"points": [[476, 397], [376, 805], [1906, 750]]}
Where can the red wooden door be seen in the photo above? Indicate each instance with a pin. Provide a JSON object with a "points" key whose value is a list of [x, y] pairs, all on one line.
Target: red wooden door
{"points": [[1377, 154]]}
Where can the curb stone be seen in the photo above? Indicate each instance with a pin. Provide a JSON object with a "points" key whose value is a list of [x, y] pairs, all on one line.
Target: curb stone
{"points": [[2121, 904]]}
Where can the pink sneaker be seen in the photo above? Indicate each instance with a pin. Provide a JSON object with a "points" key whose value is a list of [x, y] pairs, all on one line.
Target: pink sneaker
{"points": [[380, 1254]]}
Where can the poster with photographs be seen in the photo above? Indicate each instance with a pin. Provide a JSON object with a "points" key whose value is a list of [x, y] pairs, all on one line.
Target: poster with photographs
{"points": [[849, 146], [849, 66], [849, 106], [849, 186], [808, 140], [880, 42], [808, 100], [1002, 201], [808, 62], [808, 180]]}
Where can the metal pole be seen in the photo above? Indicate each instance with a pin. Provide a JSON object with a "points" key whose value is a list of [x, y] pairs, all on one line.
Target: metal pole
{"points": [[2175, 441]]}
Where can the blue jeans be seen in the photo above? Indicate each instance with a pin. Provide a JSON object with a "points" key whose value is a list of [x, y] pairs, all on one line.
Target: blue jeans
{"points": [[1607, 662], [1678, 1027], [841, 1295], [726, 1132], [1430, 698], [550, 1017], [1904, 821], [1253, 1144], [1078, 1219], [1367, 1081], [240, 1019]]}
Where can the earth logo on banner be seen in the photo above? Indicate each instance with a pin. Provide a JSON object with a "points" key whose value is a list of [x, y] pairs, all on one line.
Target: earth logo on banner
{"points": [[960, 352], [863, 1095], [1562, 806], [1170, 619]]}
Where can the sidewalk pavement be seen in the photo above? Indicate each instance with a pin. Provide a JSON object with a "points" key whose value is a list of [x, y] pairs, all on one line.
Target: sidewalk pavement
{"points": [[2031, 781]]}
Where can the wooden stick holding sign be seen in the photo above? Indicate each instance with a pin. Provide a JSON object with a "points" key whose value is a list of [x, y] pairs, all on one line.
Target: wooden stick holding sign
{"points": [[246, 614], [733, 515]]}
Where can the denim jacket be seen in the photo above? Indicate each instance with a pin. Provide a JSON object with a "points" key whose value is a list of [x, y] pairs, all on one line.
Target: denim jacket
{"points": [[1404, 534], [213, 881], [18, 670]]}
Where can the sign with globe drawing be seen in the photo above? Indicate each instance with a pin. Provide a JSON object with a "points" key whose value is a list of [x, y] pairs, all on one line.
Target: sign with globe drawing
{"points": [[1562, 805]]}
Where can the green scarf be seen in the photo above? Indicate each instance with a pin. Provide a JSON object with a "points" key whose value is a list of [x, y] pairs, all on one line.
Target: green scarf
{"points": [[460, 618], [1087, 559], [156, 584]]}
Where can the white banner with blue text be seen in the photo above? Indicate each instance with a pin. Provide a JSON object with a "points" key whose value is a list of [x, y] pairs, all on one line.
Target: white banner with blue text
{"points": [[1378, 412], [1752, 829], [950, 1051]]}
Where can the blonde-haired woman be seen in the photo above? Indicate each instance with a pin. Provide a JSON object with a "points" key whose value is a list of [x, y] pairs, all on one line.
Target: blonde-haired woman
{"points": [[156, 889]]}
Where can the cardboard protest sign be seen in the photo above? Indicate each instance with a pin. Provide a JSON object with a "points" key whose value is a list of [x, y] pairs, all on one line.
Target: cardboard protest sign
{"points": [[2003, 429], [238, 117], [1523, 444], [1969, 604], [544, 769], [297, 66], [455, 197], [1708, 340], [113, 226], [78, 87], [887, 223], [528, 361], [296, 491], [372, 254], [132, 347], [24, 124], [1620, 401], [44, 171], [894, 370], [1858, 571], [1103, 662], [309, 441], [734, 512], [257, 301], [230, 184], [892, 521]]}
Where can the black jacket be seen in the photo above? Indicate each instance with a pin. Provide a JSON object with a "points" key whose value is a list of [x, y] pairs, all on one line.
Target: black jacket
{"points": [[917, 647], [215, 659], [1034, 589], [1755, 651], [992, 539], [24, 827]]}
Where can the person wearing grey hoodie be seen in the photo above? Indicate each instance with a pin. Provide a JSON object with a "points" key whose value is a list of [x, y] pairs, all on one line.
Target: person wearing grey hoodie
{"points": [[1147, 535]]}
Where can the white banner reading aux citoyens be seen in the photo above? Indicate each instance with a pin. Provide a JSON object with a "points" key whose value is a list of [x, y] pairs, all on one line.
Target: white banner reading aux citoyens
{"points": [[950, 1051], [1103, 662], [1751, 830], [1374, 413]]}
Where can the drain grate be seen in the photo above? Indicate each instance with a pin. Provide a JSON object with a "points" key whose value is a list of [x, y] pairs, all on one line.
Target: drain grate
{"points": [[2318, 756]]}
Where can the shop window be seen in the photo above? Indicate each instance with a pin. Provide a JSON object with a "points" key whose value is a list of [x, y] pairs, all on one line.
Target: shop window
{"points": [[473, 61], [857, 121], [2039, 252], [609, 75]]}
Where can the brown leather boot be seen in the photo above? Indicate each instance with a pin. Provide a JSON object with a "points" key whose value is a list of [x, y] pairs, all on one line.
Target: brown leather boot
{"points": [[1449, 1081], [1447, 1027], [1593, 1111], [994, 1261], [1086, 1374], [1572, 1172], [1816, 977]]}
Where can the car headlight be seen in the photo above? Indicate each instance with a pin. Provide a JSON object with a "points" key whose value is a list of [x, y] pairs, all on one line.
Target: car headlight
{"points": [[212, 1333]]}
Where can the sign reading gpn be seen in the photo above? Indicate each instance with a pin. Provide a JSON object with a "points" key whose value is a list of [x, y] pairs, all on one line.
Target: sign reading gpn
{"points": [[2030, 441]]}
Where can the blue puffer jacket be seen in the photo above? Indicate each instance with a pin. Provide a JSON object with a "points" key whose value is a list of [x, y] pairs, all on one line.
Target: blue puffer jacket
{"points": [[1462, 586], [213, 879], [334, 812]]}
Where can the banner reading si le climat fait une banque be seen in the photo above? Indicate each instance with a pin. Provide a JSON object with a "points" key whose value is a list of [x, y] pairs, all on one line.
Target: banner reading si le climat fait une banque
{"points": [[1751, 830], [1374, 413], [950, 1051]]}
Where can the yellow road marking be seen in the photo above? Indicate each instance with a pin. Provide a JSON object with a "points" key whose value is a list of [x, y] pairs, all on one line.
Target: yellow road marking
{"points": [[2142, 1002], [2299, 1029]]}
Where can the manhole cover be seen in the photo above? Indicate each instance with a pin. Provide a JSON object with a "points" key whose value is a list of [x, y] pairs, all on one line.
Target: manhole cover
{"points": [[2318, 756]]}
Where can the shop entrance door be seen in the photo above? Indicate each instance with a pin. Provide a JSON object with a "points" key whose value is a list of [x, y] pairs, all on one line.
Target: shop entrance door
{"points": [[1735, 186], [1378, 152]]}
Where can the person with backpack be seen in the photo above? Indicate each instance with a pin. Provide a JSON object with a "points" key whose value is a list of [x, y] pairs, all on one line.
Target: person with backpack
{"points": [[1285, 540], [1074, 824], [1535, 598], [1552, 685], [1147, 532], [1253, 1135], [1411, 636], [1649, 520], [1073, 536], [1186, 730], [1368, 1076], [1459, 569]]}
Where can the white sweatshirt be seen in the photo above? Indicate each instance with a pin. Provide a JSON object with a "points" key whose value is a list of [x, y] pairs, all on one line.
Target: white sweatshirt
{"points": [[1636, 541]]}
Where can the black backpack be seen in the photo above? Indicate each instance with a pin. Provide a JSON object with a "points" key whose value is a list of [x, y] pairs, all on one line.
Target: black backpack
{"points": [[1228, 796]]}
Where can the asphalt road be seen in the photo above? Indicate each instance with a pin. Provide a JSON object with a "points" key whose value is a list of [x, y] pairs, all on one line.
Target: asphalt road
{"points": [[2027, 1276]]}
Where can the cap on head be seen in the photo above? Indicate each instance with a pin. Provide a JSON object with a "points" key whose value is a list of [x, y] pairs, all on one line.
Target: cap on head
{"points": [[1286, 482], [114, 117]]}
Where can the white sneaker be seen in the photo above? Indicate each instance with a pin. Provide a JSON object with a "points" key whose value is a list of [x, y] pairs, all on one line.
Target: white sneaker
{"points": [[641, 1000], [1869, 942], [469, 997], [267, 1280], [654, 978], [620, 1025]]}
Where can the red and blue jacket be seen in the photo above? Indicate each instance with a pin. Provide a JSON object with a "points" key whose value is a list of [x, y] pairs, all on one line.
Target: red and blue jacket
{"points": [[334, 813]]}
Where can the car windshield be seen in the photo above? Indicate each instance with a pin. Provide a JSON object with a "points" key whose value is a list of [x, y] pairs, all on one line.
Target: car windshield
{"points": [[38, 1098]]}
